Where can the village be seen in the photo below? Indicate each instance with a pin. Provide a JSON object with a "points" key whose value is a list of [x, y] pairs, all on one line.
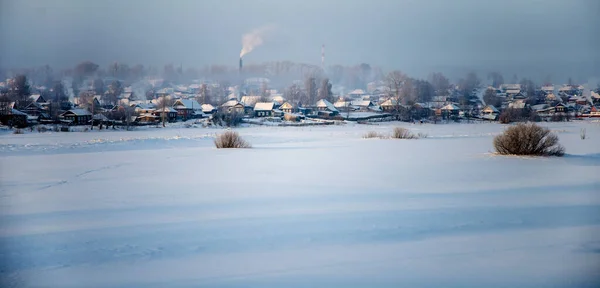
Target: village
{"points": [[253, 102]]}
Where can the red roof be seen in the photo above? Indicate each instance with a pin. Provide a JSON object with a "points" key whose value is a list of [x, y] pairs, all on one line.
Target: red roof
{"points": [[594, 109]]}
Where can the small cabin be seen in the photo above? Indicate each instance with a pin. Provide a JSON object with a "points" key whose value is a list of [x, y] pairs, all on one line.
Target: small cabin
{"points": [[77, 116], [263, 109], [286, 107]]}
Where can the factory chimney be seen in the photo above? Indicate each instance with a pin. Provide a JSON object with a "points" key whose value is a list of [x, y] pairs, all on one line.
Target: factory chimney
{"points": [[241, 81]]}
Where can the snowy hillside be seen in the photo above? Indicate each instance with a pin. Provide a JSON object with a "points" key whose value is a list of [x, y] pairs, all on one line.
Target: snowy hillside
{"points": [[305, 207]]}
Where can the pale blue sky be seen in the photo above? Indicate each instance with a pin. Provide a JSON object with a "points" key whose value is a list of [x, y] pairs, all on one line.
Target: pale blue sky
{"points": [[406, 34]]}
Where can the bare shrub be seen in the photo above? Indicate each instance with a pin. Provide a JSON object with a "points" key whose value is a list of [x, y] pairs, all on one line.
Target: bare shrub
{"points": [[371, 134], [42, 129], [508, 116], [528, 139], [582, 134], [18, 131], [422, 135], [290, 117], [231, 139], [402, 133], [55, 128]]}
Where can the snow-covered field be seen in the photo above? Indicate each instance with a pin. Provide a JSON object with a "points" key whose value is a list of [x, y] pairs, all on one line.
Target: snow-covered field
{"points": [[305, 207]]}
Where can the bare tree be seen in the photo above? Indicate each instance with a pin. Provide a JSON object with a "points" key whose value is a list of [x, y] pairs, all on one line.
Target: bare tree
{"points": [[310, 85], [395, 80], [470, 83], [496, 78], [490, 98], [129, 113], [165, 102], [114, 91], [423, 90], [19, 91], [528, 86], [98, 85], [325, 91], [264, 90], [407, 91], [440, 83], [293, 94]]}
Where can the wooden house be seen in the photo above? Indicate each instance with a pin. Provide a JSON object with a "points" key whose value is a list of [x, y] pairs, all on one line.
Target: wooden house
{"points": [[208, 109], [187, 108], [233, 106], [363, 105], [287, 107], [263, 109], [324, 105], [390, 105], [168, 112], [450, 110], [77, 116]]}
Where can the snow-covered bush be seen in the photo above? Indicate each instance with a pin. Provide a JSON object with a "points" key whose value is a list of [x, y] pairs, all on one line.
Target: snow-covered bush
{"points": [[371, 134], [402, 133], [18, 131], [231, 139], [528, 139]]}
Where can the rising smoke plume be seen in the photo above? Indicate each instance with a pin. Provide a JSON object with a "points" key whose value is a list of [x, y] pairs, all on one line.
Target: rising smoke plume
{"points": [[254, 39]]}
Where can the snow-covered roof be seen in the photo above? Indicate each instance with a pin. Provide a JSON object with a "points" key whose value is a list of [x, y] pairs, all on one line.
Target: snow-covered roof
{"points": [[230, 103], [548, 88], [207, 108], [362, 103], [357, 92], [250, 100], [35, 97], [263, 106], [326, 104], [187, 104], [166, 109], [79, 112], [389, 102], [286, 105], [277, 98], [516, 105], [566, 88], [510, 86], [450, 107], [595, 95], [539, 107], [100, 117], [375, 108], [491, 108], [341, 104], [17, 112], [513, 91]]}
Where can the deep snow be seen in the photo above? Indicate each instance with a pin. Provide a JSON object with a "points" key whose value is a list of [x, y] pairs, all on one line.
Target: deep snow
{"points": [[305, 207]]}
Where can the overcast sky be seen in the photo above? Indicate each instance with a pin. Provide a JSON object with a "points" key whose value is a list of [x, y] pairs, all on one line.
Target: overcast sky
{"points": [[406, 34]]}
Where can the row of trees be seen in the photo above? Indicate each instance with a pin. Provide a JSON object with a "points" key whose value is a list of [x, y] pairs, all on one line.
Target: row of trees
{"points": [[315, 89]]}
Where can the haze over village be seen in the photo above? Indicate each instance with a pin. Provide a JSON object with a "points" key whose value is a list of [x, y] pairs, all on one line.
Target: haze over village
{"points": [[268, 143]]}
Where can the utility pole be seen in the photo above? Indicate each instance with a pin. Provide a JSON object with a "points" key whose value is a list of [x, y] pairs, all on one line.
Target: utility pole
{"points": [[164, 105]]}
